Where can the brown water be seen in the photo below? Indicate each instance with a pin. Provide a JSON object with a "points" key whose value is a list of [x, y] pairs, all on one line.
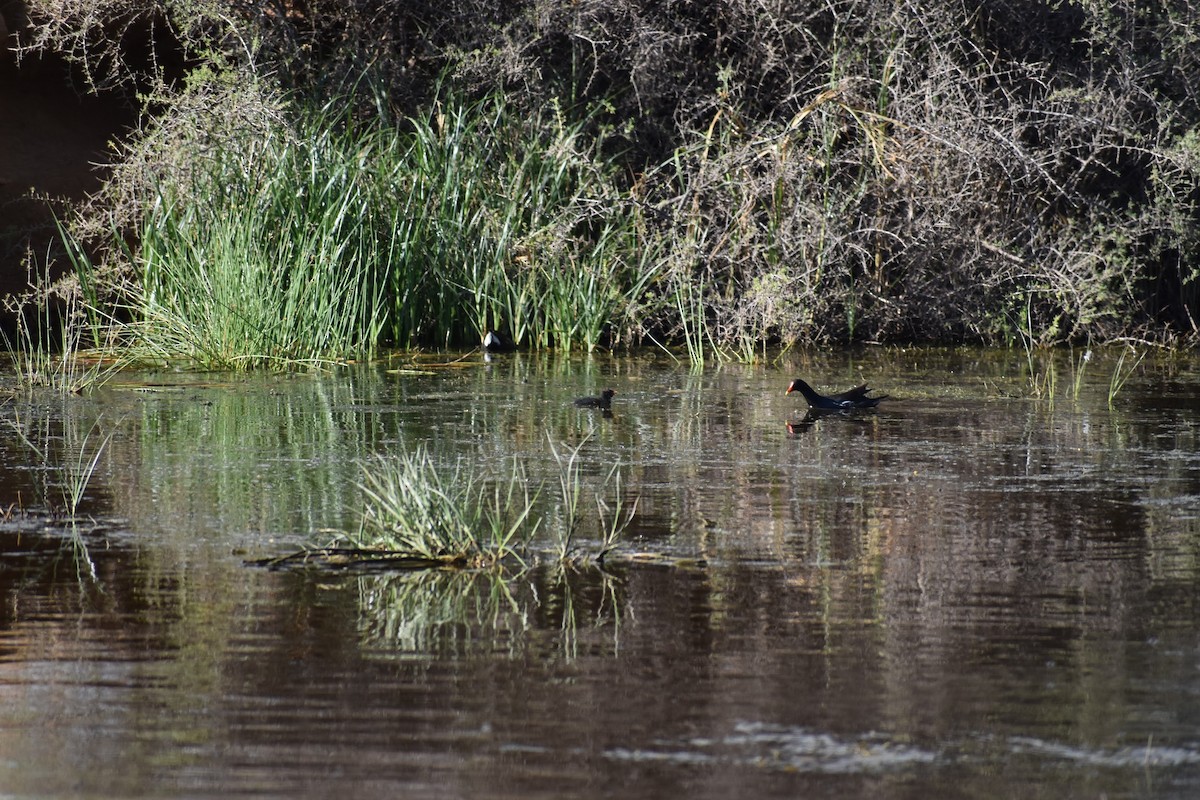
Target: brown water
{"points": [[972, 592]]}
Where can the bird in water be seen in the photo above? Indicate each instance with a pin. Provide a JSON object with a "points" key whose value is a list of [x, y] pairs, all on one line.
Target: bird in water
{"points": [[843, 401], [495, 343], [602, 400]]}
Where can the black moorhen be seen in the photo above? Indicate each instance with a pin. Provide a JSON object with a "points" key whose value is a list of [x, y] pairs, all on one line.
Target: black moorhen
{"points": [[603, 400], [843, 401]]}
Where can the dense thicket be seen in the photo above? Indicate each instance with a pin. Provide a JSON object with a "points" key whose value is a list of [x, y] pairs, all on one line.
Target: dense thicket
{"points": [[826, 170]]}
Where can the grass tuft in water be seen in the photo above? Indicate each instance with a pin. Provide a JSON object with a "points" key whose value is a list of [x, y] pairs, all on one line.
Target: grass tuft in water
{"points": [[416, 507], [71, 464], [1122, 372], [570, 494], [50, 345], [614, 509], [616, 512]]}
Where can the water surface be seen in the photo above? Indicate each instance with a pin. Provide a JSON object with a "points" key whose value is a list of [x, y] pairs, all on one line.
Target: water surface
{"points": [[988, 588]]}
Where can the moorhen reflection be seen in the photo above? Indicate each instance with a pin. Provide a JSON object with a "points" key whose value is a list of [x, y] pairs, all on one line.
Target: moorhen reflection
{"points": [[602, 401], [842, 401]]}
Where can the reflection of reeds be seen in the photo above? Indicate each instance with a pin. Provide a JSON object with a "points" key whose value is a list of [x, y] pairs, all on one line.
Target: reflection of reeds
{"points": [[431, 610], [435, 611], [271, 456], [561, 586]]}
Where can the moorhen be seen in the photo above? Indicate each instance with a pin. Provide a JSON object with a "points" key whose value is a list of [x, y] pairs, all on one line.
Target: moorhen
{"points": [[843, 401], [603, 400], [495, 343]]}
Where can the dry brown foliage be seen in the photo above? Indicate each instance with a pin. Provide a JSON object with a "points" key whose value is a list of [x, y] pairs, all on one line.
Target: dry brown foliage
{"points": [[826, 170]]}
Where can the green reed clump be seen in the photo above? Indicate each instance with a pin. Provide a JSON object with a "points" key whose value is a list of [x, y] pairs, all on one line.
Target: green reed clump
{"points": [[511, 222], [414, 506], [317, 236], [267, 249]]}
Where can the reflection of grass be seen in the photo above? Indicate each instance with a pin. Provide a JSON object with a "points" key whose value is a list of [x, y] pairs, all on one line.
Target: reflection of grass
{"points": [[418, 611], [261, 456], [606, 611], [439, 610]]}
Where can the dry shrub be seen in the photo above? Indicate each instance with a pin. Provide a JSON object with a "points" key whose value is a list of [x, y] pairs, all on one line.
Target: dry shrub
{"points": [[824, 170]]}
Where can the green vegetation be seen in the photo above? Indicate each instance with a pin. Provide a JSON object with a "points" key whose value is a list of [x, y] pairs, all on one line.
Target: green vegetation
{"points": [[1122, 372], [269, 252], [310, 236], [507, 223], [1042, 368], [620, 173], [417, 509], [68, 462], [65, 458], [613, 508]]}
